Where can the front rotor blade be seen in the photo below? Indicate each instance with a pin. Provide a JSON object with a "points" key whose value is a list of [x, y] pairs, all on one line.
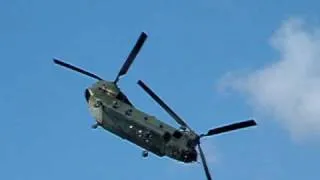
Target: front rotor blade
{"points": [[204, 163], [134, 52], [231, 127], [162, 104], [56, 61]]}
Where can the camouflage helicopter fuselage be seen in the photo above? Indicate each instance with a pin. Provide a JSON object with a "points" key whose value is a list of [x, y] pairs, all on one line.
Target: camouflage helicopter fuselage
{"points": [[113, 111]]}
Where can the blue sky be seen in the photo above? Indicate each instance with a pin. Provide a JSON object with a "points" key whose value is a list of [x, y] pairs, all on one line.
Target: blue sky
{"points": [[45, 126]]}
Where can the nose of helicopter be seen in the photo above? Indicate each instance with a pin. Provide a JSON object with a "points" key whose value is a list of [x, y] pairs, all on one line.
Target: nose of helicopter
{"points": [[87, 95]]}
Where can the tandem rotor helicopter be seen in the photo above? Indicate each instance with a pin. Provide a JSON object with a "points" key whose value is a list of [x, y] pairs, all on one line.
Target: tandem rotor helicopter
{"points": [[113, 111]]}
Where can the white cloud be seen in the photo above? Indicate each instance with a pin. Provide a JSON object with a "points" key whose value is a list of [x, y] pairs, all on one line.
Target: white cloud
{"points": [[288, 89]]}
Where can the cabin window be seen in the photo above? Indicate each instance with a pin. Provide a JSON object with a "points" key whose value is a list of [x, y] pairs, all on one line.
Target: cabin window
{"points": [[177, 134], [129, 112], [115, 104], [167, 136], [97, 104]]}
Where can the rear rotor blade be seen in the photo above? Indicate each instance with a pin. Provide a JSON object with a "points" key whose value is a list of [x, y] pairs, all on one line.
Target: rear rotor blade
{"points": [[134, 52], [163, 105], [204, 163], [231, 127], [56, 61]]}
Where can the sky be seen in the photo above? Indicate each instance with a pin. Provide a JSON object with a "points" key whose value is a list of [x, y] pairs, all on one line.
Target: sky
{"points": [[213, 62]]}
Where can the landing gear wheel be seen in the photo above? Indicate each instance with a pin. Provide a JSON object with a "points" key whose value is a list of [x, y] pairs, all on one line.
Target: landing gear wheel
{"points": [[95, 126], [144, 154]]}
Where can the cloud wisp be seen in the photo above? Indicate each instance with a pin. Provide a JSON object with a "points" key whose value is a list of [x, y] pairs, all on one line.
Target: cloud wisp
{"points": [[288, 89]]}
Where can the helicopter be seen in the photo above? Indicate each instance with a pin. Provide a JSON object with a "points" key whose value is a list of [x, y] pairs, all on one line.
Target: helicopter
{"points": [[113, 111]]}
